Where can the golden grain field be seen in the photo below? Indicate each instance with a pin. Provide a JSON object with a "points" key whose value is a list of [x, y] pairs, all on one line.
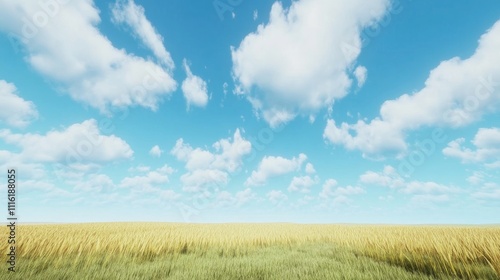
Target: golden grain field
{"points": [[447, 252]]}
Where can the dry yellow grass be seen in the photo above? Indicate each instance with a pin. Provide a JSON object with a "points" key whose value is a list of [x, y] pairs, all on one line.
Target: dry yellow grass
{"points": [[434, 250]]}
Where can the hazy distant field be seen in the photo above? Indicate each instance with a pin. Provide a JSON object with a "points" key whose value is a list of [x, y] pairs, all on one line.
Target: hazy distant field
{"points": [[254, 251]]}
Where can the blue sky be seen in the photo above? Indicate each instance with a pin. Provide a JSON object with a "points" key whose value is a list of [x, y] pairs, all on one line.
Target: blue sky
{"points": [[309, 111]]}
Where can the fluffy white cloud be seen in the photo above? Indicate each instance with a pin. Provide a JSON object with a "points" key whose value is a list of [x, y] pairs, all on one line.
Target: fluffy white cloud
{"points": [[416, 187], [370, 138], [244, 196], [456, 93], [228, 154], [490, 191], [73, 174], [197, 180], [148, 182], [225, 198], [476, 178], [305, 65], [486, 143], [62, 42], [331, 189], [140, 169], [31, 170], [360, 73], [46, 190], [430, 198], [349, 190], [169, 195], [333, 195], [205, 167], [328, 188], [310, 168], [301, 202], [271, 166], [494, 165], [14, 110], [94, 183], [302, 184], [79, 143], [131, 14], [148, 187], [487, 138], [32, 185], [390, 178], [194, 89], [276, 197], [156, 151]]}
